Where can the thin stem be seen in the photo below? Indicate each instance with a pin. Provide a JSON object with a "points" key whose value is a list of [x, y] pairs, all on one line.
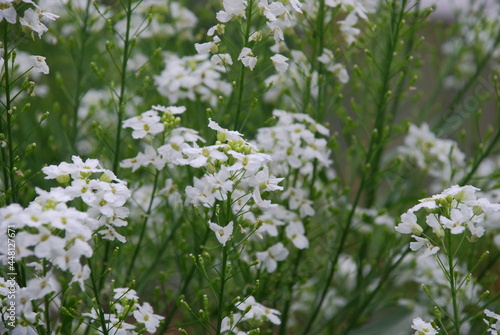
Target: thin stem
{"points": [[185, 285], [97, 295], [122, 98], [452, 279], [10, 175], [220, 309], [143, 229], [241, 84], [79, 74], [378, 136]]}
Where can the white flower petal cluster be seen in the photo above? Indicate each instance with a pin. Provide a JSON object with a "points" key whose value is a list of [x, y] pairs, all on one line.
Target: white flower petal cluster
{"points": [[338, 69], [166, 19], [293, 145], [222, 233], [479, 25], [232, 10], [277, 15], [30, 21], [269, 259], [176, 138], [494, 326], [7, 11], [457, 210], [234, 170], [27, 313], [423, 328], [148, 123], [257, 311], [191, 78], [53, 233], [442, 158], [285, 86], [353, 10], [247, 58], [126, 304]]}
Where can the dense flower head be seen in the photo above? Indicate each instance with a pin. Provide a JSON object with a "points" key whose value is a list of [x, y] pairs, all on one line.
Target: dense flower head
{"points": [[230, 162], [441, 158], [125, 305], [456, 210], [192, 77], [493, 323], [50, 229], [423, 328]]}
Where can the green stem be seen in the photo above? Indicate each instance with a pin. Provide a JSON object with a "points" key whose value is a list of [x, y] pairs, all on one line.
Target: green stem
{"points": [[333, 263], [241, 84], [122, 98], [289, 290], [451, 269], [8, 109], [480, 159], [318, 36], [185, 285], [220, 309], [97, 295], [481, 65], [79, 74], [144, 225], [378, 136]]}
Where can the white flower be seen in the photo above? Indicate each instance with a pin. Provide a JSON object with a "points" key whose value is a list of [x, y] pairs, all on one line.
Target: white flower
{"points": [[258, 311], [31, 20], [270, 258], [495, 325], [173, 110], [232, 9], [295, 232], [229, 135], [273, 10], [347, 28], [148, 123], [80, 274], [204, 48], [145, 314], [423, 328], [247, 58], [7, 11], [109, 233], [222, 233], [431, 249], [38, 63], [280, 62], [409, 224], [221, 59]]}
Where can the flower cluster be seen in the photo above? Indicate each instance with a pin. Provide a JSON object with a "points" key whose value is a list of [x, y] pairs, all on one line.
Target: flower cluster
{"points": [[249, 309], [441, 158], [353, 9], [166, 19], [191, 78], [456, 210], [56, 235], [27, 316], [125, 305], [429, 274], [277, 15], [476, 39], [495, 325], [294, 146], [158, 120], [32, 20], [423, 328], [235, 172]]}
